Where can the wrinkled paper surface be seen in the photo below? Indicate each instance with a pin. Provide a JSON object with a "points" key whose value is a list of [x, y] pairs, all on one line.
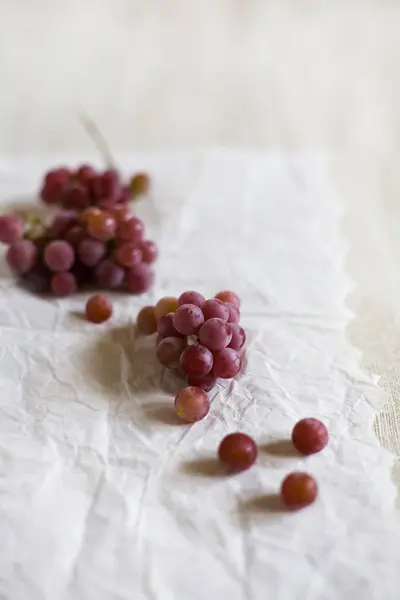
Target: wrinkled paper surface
{"points": [[103, 495]]}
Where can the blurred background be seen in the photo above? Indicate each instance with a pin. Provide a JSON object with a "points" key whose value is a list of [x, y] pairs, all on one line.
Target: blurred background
{"points": [[183, 74]]}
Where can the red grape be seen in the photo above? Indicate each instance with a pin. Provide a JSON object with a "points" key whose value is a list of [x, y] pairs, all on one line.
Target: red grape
{"points": [[234, 313], [98, 309], [238, 337], [128, 255], [299, 490], [215, 334], [228, 296], [131, 230], [139, 279], [238, 452], [102, 226], [109, 275], [227, 363], [196, 360], [55, 183], [166, 326], [120, 212], [215, 309], [204, 382], [191, 297], [124, 195], [21, 256], [62, 223], [89, 213], [75, 235], [149, 251], [91, 251], [192, 404], [146, 320], [309, 436], [76, 197], [59, 256], [63, 284], [11, 229], [85, 174], [166, 305], [107, 185], [188, 318], [169, 350]]}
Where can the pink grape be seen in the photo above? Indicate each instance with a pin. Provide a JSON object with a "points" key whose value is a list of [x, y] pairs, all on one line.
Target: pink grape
{"points": [[191, 297], [227, 363], [62, 223], [228, 296], [128, 255], [310, 436], [76, 197], [21, 256], [149, 251], [188, 318], [85, 174], [169, 350], [192, 404], [215, 309], [75, 235], [55, 183], [139, 279], [197, 360], [59, 256], [131, 230], [238, 337], [63, 284], [238, 452], [91, 252], [215, 334], [166, 327], [11, 229], [234, 314], [102, 226], [109, 275], [204, 382]]}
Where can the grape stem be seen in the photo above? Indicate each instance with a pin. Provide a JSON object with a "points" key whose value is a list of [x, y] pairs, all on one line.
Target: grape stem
{"points": [[97, 137]]}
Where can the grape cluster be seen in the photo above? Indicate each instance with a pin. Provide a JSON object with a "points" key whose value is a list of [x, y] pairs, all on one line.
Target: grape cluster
{"points": [[106, 248], [200, 338], [77, 189]]}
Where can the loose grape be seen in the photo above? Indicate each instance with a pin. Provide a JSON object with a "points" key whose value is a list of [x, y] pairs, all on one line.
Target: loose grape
{"points": [[63, 284], [11, 229], [215, 309], [62, 223], [192, 404], [131, 230], [76, 197], [227, 363], [140, 184], [21, 256], [166, 326], [98, 309], [188, 318], [166, 305], [91, 251], [128, 255], [59, 256], [102, 226], [169, 350], [191, 297], [238, 452], [238, 337], [109, 275], [299, 490], [149, 251], [204, 382], [196, 360], [139, 278], [234, 313], [228, 296], [215, 334], [146, 320], [310, 436]]}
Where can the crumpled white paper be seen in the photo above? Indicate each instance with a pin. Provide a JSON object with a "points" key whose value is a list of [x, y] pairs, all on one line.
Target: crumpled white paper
{"points": [[103, 495]]}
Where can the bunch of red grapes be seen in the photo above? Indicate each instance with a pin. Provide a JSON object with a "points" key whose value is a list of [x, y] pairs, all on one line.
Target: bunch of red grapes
{"points": [[200, 338], [94, 239]]}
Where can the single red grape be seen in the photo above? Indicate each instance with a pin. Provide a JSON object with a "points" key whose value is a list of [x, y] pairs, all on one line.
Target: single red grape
{"points": [[191, 297], [21, 256], [299, 490], [196, 360], [227, 363], [188, 318], [109, 275], [238, 337], [228, 296], [310, 436], [63, 284], [59, 256], [169, 350], [215, 309], [11, 229], [128, 255], [131, 230], [215, 334], [166, 326], [98, 309], [234, 313], [238, 452], [192, 404]]}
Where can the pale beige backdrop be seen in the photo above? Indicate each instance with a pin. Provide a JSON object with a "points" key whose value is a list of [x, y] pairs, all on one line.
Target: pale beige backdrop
{"points": [[190, 73]]}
